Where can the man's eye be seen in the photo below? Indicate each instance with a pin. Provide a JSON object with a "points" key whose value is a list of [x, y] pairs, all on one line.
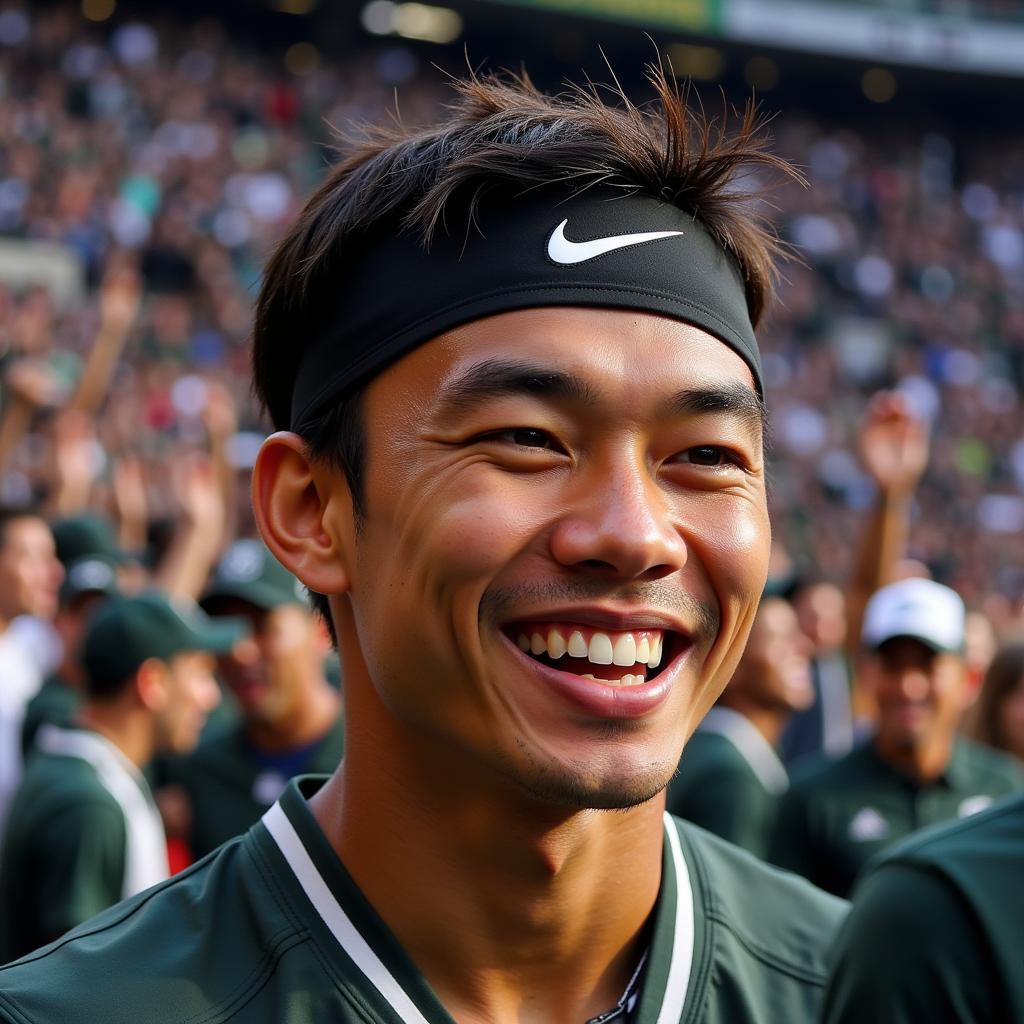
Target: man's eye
{"points": [[528, 437], [705, 455]]}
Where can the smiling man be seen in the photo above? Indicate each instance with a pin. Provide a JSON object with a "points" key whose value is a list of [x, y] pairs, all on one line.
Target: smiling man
{"points": [[519, 458]]}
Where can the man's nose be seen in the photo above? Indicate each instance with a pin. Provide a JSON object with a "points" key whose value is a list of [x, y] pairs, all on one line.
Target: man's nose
{"points": [[913, 684], [620, 524]]}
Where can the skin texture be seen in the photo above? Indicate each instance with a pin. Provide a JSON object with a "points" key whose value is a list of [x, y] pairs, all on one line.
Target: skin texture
{"points": [[599, 504], [921, 695], [773, 678], [30, 574]]}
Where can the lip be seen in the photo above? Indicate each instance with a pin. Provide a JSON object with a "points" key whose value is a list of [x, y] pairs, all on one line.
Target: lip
{"points": [[617, 620], [596, 698]]}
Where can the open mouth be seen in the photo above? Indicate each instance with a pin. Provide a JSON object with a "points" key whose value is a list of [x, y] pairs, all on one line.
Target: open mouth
{"points": [[618, 658]]}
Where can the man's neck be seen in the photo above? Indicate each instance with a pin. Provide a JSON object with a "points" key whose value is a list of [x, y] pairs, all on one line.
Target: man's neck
{"points": [[309, 718], [544, 911], [923, 761], [128, 729]]}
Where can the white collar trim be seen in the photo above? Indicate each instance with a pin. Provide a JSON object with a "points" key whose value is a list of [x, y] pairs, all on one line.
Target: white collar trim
{"points": [[358, 949]]}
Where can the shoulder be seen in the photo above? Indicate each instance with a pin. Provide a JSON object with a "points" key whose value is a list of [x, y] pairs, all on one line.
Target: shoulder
{"points": [[776, 918], [167, 947], [53, 782], [988, 765], [820, 774]]}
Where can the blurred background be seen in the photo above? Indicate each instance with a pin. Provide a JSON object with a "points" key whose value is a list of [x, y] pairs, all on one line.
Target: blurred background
{"points": [[160, 150]]}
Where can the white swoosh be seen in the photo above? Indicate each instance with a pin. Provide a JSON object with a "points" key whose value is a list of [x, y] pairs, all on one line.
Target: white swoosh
{"points": [[561, 250]]}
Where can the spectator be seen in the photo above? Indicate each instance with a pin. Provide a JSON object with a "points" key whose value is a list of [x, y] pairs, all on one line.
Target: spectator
{"points": [[84, 831], [997, 718], [290, 716], [730, 776], [915, 771]]}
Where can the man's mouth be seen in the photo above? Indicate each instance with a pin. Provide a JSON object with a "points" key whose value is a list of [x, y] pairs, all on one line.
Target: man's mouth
{"points": [[618, 658]]}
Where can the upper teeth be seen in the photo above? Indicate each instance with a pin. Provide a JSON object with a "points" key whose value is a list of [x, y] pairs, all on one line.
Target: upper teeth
{"points": [[621, 649]]}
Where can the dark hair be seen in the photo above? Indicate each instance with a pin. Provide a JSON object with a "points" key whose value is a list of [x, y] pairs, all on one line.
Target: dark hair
{"points": [[500, 132], [1001, 679]]}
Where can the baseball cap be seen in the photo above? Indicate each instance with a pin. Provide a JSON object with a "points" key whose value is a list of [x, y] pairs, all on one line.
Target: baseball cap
{"points": [[126, 631], [918, 608], [249, 572], [93, 574], [86, 534]]}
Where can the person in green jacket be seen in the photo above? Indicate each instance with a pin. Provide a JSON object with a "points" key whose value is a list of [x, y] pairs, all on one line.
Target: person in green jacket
{"points": [[518, 458], [290, 720], [937, 928], [730, 775], [917, 770]]}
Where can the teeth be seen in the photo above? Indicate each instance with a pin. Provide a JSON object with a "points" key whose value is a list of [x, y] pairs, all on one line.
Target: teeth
{"points": [[523, 642], [624, 652], [587, 675], [643, 650], [556, 644], [655, 659], [578, 646], [600, 652], [537, 644]]}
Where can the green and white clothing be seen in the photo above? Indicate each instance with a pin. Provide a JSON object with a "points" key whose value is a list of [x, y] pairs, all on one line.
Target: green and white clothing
{"points": [[937, 929], [836, 817], [230, 783], [729, 781], [272, 928], [57, 702], [83, 833]]}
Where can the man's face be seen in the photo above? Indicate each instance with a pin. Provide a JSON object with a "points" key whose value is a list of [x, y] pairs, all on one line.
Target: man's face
{"points": [[821, 610], [775, 670], [30, 574], [265, 669], [589, 480], [192, 693], [921, 693]]}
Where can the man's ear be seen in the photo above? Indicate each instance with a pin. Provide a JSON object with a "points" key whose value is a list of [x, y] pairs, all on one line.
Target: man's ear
{"points": [[304, 513], [151, 684]]}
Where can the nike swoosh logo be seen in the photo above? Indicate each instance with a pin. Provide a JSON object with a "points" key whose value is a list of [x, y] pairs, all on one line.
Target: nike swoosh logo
{"points": [[561, 250]]}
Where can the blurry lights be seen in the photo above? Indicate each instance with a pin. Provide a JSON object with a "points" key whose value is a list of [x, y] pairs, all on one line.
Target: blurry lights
{"points": [[761, 73], [878, 85], [412, 21], [294, 6], [98, 10], [705, 63], [302, 58]]}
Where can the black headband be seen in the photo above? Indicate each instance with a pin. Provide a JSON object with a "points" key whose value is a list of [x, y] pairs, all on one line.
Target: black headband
{"points": [[592, 249]]}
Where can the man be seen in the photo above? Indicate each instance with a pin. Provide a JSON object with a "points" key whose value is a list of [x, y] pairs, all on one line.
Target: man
{"points": [[916, 770], [526, 414], [30, 577], [88, 581], [291, 720], [937, 929], [84, 831], [730, 776]]}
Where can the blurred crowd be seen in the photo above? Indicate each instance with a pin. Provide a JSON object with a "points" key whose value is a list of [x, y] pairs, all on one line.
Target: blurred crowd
{"points": [[164, 162]]}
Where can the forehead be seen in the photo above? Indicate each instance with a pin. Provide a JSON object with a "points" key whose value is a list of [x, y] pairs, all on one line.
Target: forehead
{"points": [[621, 354]]}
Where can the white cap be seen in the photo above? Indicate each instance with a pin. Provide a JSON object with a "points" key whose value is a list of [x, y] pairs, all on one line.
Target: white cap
{"points": [[919, 608]]}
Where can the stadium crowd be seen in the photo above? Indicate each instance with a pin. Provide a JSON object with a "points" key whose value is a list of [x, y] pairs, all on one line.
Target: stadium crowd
{"points": [[165, 161]]}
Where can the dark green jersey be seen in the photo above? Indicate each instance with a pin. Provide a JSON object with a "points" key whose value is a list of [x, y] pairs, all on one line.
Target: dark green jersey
{"points": [[64, 853], [57, 702], [272, 928], [937, 929], [230, 783], [729, 781], [836, 817]]}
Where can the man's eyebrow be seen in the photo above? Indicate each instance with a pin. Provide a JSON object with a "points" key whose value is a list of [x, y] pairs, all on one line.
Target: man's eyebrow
{"points": [[735, 399], [495, 378]]}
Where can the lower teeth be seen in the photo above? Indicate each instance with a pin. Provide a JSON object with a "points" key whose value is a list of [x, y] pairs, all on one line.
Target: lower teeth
{"points": [[626, 680]]}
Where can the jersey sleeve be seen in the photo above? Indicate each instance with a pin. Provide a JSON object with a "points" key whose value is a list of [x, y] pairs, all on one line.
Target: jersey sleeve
{"points": [[910, 951], [81, 866]]}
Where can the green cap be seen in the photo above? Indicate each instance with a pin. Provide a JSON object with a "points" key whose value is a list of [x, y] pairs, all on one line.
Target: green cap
{"points": [[93, 574], [249, 572], [87, 534], [126, 631]]}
